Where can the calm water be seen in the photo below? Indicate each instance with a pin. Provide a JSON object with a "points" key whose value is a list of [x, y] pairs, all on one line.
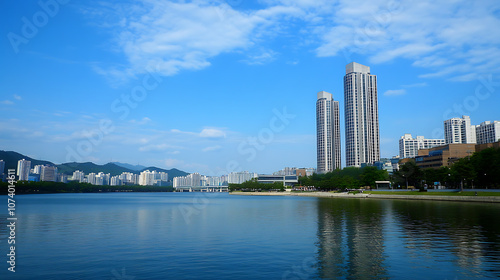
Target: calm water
{"points": [[220, 236]]}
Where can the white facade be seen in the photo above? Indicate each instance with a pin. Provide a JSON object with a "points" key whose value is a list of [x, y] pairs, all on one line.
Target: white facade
{"points": [[48, 173], [409, 146], [37, 169], [147, 178], [2, 168], [459, 130], [361, 115], [78, 176], [240, 177], [191, 180], [488, 132], [91, 178], [23, 169], [327, 133], [115, 181]]}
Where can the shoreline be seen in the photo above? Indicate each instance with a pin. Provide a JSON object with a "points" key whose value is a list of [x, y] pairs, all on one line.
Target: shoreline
{"points": [[487, 199]]}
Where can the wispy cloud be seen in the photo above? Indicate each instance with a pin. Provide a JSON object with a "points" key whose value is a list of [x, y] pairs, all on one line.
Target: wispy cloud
{"points": [[156, 147], [7, 102], [415, 85], [212, 133], [17, 97], [142, 121], [395, 92], [451, 39], [212, 148]]}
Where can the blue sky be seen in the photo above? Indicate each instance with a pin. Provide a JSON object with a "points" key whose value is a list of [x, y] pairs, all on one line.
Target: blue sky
{"points": [[218, 86]]}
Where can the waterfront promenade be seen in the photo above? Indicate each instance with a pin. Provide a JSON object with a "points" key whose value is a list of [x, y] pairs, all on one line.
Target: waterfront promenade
{"points": [[490, 199]]}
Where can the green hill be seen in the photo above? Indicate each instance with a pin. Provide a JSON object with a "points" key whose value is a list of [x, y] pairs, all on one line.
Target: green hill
{"points": [[89, 167], [171, 173], [11, 158]]}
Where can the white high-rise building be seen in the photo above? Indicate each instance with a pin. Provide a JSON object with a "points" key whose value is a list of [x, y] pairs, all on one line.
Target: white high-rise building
{"points": [[409, 146], [115, 181], [23, 169], [488, 132], [37, 169], [240, 177], [91, 178], [147, 178], [459, 130], [2, 169], [191, 180], [361, 115], [327, 133], [48, 173], [78, 176]]}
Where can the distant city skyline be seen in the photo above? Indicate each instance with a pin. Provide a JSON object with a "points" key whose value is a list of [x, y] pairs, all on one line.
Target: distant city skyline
{"points": [[215, 87]]}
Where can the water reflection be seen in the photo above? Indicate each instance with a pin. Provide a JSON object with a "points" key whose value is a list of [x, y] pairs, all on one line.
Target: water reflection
{"points": [[350, 239], [380, 239]]}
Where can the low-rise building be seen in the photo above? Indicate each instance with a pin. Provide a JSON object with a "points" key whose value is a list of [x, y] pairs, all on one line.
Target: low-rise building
{"points": [[443, 155]]}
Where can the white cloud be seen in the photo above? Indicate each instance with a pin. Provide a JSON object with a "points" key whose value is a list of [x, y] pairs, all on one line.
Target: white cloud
{"points": [[212, 133], [394, 92], [171, 162], [7, 102], [453, 39], [168, 36], [212, 148], [156, 148], [17, 97], [415, 85], [143, 121]]}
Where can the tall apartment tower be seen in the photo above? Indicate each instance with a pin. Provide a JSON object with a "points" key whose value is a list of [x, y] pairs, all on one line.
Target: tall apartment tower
{"points": [[327, 133], [459, 130], [361, 115], [23, 169]]}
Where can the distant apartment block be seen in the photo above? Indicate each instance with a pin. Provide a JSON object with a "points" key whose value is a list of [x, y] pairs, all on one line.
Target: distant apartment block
{"points": [[327, 133], [23, 169], [409, 146], [240, 177], [191, 180], [361, 116], [2, 169], [48, 173], [459, 131], [78, 176], [488, 132]]}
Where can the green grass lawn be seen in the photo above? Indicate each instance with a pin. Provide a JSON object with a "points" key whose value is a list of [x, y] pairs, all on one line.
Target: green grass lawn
{"points": [[469, 193]]}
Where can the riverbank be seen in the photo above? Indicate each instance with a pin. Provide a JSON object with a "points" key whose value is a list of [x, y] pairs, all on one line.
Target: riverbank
{"points": [[443, 197]]}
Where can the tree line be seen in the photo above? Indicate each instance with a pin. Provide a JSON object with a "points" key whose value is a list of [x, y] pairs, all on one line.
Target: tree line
{"points": [[347, 178], [253, 185], [480, 170]]}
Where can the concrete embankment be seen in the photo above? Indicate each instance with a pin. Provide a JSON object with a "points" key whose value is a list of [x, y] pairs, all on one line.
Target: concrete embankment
{"points": [[490, 199]]}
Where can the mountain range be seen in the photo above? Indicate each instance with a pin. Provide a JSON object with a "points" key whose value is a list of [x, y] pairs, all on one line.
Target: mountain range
{"points": [[114, 168]]}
